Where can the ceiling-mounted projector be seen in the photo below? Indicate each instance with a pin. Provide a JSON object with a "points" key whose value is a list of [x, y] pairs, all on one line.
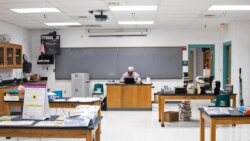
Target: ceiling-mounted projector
{"points": [[99, 17]]}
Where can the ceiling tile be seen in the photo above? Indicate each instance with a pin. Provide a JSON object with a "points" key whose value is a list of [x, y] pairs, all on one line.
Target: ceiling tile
{"points": [[170, 13]]}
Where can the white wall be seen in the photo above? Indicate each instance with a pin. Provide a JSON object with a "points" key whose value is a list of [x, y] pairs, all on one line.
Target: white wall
{"points": [[239, 34], [158, 37], [20, 36]]}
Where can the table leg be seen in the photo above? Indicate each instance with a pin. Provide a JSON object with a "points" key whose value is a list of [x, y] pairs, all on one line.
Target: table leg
{"points": [[159, 108], [89, 136], [97, 133], [234, 101], [213, 130], [162, 111], [202, 128]]}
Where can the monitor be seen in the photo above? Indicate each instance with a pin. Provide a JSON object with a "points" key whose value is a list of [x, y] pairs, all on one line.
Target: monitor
{"points": [[129, 81]]}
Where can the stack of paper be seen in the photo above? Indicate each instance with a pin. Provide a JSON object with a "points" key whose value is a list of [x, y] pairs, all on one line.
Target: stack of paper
{"points": [[16, 123], [7, 121], [50, 123], [8, 118], [83, 99], [76, 121], [217, 110], [11, 97]]}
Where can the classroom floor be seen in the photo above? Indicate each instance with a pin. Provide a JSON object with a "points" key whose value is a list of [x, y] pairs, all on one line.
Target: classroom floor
{"points": [[144, 126]]}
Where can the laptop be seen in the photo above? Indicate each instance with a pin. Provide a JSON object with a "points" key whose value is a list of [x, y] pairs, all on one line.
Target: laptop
{"points": [[129, 81]]}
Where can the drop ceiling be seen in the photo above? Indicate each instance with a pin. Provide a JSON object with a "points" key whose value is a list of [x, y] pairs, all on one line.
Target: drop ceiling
{"points": [[170, 13]]}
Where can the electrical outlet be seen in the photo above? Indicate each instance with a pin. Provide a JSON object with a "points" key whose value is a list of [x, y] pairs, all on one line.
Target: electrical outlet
{"points": [[64, 91]]}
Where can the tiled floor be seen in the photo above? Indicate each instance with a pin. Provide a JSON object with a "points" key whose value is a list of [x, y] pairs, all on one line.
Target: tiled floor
{"points": [[144, 126]]}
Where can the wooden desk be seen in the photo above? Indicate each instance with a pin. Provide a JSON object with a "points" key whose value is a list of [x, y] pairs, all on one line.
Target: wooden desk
{"points": [[129, 96], [90, 133], [235, 118], [169, 97], [52, 104]]}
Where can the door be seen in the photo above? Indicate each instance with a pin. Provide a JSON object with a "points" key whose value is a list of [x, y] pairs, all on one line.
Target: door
{"points": [[229, 65], [211, 54], [227, 55]]}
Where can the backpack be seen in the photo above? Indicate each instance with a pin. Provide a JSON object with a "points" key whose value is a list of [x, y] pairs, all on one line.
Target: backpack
{"points": [[27, 66]]}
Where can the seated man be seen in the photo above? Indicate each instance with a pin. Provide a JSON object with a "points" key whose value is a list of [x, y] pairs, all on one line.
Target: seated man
{"points": [[131, 74]]}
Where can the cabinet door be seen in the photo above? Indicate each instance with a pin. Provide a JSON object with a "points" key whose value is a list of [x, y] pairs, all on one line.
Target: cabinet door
{"points": [[114, 97], [2, 60], [18, 56], [144, 96], [129, 96], [10, 56]]}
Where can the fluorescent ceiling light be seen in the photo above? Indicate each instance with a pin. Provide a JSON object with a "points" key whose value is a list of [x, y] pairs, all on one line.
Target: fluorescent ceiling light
{"points": [[136, 22], [35, 10], [62, 24], [230, 7], [133, 8]]}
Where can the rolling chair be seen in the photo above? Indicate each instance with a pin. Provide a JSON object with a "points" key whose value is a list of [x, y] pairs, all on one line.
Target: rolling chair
{"points": [[99, 92], [222, 100]]}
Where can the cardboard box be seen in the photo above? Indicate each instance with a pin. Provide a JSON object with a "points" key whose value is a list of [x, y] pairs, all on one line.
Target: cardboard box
{"points": [[35, 77], [170, 116]]}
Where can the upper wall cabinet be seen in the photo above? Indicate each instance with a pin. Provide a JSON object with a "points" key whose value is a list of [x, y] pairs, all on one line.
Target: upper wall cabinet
{"points": [[2, 58], [10, 55]]}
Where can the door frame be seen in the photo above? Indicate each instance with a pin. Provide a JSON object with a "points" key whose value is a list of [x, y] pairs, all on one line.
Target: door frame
{"points": [[211, 46], [226, 45]]}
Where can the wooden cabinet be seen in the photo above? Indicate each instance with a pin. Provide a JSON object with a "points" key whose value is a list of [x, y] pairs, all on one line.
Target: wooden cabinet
{"points": [[10, 55], [18, 56], [114, 96], [133, 97], [3, 90]]}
